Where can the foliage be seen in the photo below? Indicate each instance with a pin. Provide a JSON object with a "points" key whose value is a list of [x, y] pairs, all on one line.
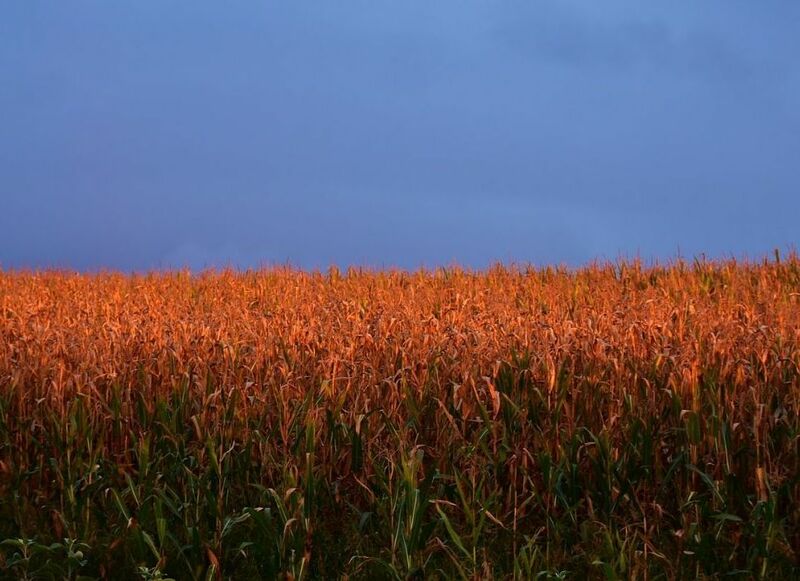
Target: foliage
{"points": [[616, 421]]}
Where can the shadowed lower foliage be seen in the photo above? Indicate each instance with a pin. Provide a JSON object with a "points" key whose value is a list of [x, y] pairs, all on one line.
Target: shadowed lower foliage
{"points": [[618, 421]]}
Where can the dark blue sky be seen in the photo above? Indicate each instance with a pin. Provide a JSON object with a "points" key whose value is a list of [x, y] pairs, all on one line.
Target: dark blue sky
{"points": [[151, 134]]}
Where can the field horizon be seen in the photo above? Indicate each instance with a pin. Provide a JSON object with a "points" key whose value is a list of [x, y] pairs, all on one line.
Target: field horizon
{"points": [[636, 261]]}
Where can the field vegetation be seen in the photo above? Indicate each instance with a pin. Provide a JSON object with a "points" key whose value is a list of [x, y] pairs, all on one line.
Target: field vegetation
{"points": [[615, 421]]}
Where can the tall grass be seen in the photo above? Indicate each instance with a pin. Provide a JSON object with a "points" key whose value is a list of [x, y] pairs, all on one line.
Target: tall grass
{"points": [[618, 421]]}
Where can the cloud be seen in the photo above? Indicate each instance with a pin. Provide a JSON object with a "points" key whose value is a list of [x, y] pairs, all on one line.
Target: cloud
{"points": [[619, 41]]}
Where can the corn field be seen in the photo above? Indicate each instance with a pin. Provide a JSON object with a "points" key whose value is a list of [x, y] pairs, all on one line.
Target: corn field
{"points": [[615, 421]]}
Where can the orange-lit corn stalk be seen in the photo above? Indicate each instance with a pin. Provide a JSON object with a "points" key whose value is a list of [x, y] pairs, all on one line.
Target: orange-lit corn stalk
{"points": [[616, 420]]}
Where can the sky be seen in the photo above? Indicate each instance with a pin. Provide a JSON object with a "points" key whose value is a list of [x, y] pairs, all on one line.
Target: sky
{"points": [[165, 134]]}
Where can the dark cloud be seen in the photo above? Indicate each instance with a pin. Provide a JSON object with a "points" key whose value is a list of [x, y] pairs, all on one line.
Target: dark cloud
{"points": [[628, 43]]}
